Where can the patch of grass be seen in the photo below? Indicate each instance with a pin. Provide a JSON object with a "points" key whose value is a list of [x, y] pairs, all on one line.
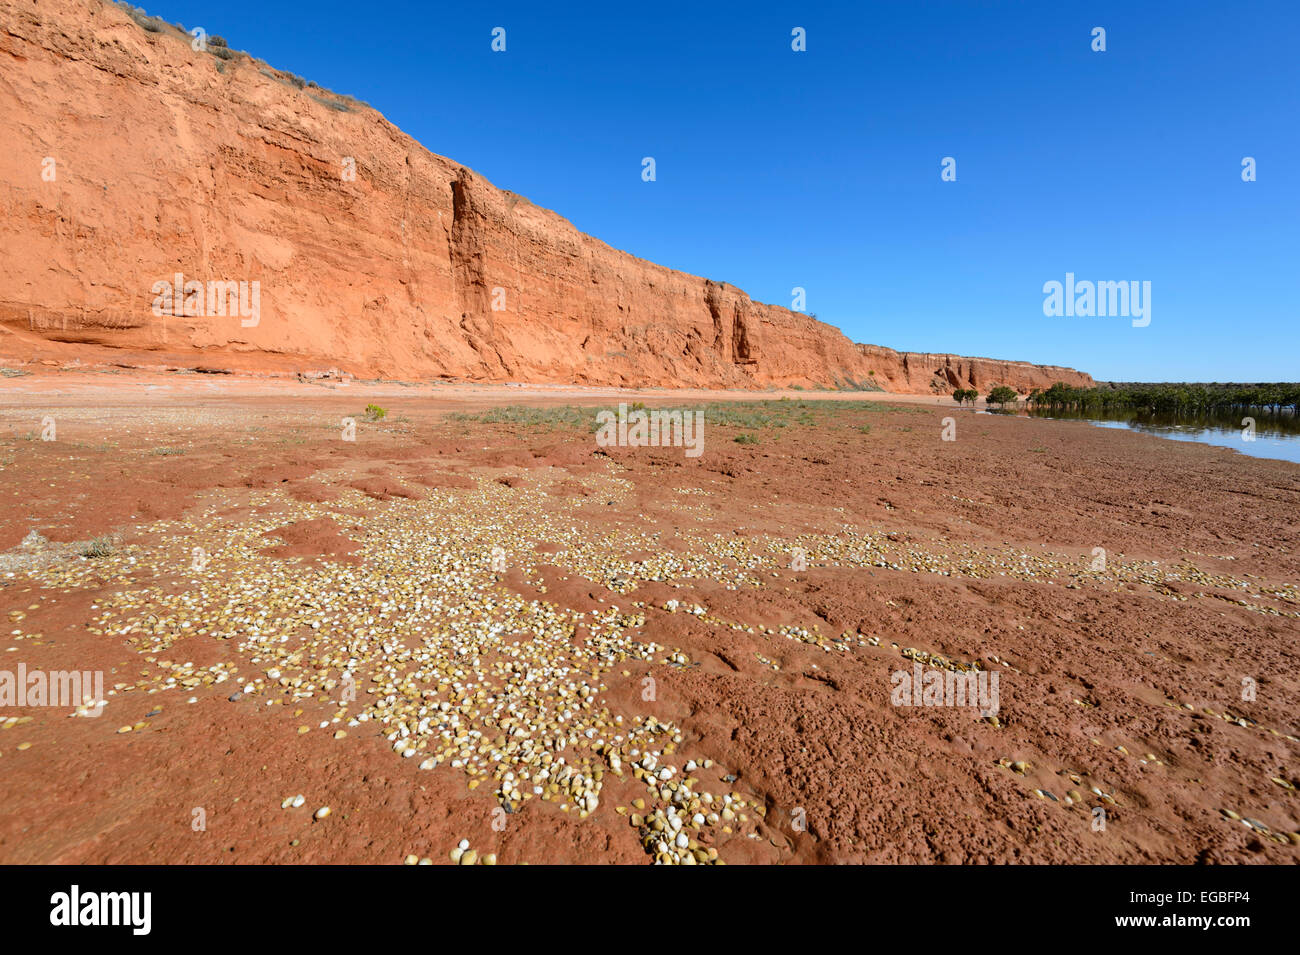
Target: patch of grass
{"points": [[746, 438], [99, 547], [760, 415], [564, 416], [167, 451]]}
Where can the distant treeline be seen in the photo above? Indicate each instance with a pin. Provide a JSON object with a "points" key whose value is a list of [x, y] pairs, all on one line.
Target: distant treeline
{"points": [[1168, 397]]}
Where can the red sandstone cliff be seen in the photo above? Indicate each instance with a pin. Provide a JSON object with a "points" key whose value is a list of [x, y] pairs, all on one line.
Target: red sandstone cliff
{"points": [[220, 168]]}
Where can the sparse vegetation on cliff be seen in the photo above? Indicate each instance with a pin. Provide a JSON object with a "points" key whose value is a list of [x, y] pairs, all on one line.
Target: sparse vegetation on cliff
{"points": [[218, 47]]}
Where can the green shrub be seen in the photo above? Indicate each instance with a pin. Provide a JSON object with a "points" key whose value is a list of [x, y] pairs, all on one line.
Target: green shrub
{"points": [[375, 413], [99, 547]]}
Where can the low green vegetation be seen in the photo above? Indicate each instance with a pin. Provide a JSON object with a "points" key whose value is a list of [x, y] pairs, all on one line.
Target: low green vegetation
{"points": [[766, 415], [99, 547], [562, 416], [376, 413]]}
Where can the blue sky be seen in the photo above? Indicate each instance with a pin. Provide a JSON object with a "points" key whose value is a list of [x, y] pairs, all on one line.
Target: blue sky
{"points": [[821, 169]]}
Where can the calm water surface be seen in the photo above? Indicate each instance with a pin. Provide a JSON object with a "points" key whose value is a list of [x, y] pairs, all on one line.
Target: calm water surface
{"points": [[1276, 436]]}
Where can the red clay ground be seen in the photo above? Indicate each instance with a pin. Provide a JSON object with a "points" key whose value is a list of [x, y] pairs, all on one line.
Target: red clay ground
{"points": [[319, 557]]}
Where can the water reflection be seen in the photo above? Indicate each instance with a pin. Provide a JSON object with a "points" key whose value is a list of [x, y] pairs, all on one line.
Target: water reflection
{"points": [[1275, 435]]}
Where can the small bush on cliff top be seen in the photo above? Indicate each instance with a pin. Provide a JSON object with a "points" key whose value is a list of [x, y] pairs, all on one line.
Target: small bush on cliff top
{"points": [[331, 103], [143, 20], [219, 48]]}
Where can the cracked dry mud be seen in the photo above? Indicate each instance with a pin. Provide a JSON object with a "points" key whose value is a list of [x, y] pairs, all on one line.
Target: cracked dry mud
{"points": [[492, 641]]}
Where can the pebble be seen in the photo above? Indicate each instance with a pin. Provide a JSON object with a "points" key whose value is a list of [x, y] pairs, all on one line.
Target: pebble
{"points": [[471, 676]]}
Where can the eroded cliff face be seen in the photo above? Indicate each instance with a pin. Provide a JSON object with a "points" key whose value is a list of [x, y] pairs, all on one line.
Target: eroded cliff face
{"points": [[132, 158], [923, 373]]}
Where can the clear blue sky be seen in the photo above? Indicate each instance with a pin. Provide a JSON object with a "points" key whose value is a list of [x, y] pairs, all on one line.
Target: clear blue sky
{"points": [[822, 169]]}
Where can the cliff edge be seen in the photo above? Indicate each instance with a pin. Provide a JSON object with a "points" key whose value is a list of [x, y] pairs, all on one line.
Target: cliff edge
{"points": [[135, 162]]}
